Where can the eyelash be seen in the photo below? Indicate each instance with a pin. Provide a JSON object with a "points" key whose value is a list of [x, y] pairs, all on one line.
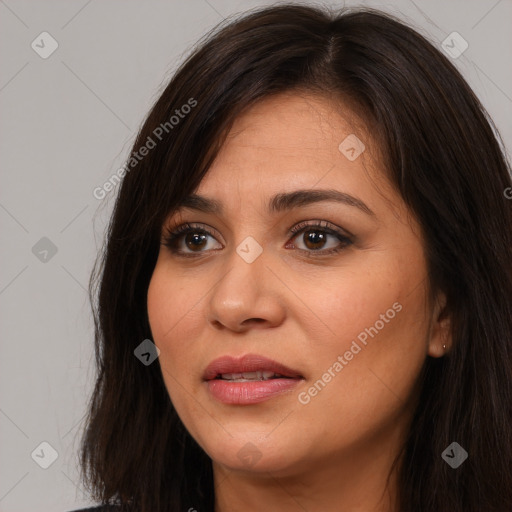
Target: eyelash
{"points": [[174, 235]]}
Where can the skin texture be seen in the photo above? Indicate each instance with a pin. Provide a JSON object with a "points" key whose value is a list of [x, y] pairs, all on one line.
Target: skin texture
{"points": [[301, 309]]}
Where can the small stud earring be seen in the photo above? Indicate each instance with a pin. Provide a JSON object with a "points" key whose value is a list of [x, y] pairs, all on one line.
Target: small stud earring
{"points": [[444, 347]]}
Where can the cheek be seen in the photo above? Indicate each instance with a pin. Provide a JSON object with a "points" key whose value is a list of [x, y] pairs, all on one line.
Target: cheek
{"points": [[174, 322], [343, 304], [173, 313], [367, 339]]}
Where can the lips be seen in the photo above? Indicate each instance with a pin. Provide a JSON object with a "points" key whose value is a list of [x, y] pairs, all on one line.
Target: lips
{"points": [[249, 380], [251, 367]]}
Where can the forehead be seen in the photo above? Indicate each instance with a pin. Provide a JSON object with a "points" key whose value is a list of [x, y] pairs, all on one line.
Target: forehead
{"points": [[295, 121], [294, 139]]}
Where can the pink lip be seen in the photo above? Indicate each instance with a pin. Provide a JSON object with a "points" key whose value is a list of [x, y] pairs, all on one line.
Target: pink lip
{"points": [[245, 393], [247, 363]]}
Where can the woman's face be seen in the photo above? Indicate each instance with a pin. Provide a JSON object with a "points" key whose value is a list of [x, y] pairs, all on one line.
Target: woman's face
{"points": [[341, 302]]}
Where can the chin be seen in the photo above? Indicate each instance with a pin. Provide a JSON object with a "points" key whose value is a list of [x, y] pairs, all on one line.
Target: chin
{"points": [[255, 454]]}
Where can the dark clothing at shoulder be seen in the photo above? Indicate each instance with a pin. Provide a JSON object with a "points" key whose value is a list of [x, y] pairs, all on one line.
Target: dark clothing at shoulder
{"points": [[99, 508]]}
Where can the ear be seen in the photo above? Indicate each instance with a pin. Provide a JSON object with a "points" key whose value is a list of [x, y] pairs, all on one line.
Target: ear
{"points": [[440, 329]]}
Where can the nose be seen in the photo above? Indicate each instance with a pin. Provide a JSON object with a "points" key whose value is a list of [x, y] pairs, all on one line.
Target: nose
{"points": [[247, 295]]}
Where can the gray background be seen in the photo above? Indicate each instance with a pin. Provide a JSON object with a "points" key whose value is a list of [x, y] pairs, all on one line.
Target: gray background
{"points": [[68, 122]]}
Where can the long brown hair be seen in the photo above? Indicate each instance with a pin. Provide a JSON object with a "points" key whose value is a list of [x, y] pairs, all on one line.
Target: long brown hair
{"points": [[443, 155]]}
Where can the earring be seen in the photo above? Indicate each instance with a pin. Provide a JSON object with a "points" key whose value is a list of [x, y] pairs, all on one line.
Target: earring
{"points": [[444, 347]]}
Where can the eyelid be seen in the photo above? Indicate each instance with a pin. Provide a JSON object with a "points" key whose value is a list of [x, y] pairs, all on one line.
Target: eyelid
{"points": [[178, 228], [324, 224], [296, 228]]}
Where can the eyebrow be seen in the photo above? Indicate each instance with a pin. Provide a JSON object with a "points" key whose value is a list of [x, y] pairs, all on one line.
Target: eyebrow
{"points": [[280, 202]]}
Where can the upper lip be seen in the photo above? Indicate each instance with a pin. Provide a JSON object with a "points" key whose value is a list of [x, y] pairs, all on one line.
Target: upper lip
{"points": [[247, 363]]}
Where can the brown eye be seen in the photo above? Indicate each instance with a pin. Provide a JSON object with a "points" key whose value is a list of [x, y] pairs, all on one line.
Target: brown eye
{"points": [[195, 240], [187, 240], [318, 238], [314, 239]]}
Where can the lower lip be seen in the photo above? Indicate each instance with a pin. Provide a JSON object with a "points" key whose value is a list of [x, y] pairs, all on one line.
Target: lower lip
{"points": [[246, 393]]}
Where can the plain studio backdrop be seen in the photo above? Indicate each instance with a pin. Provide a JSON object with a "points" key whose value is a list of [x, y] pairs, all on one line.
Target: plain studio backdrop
{"points": [[76, 80]]}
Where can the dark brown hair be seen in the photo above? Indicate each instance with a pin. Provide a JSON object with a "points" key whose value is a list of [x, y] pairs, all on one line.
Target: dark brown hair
{"points": [[441, 152]]}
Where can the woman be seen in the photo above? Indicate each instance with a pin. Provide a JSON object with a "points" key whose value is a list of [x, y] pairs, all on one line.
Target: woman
{"points": [[305, 299]]}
